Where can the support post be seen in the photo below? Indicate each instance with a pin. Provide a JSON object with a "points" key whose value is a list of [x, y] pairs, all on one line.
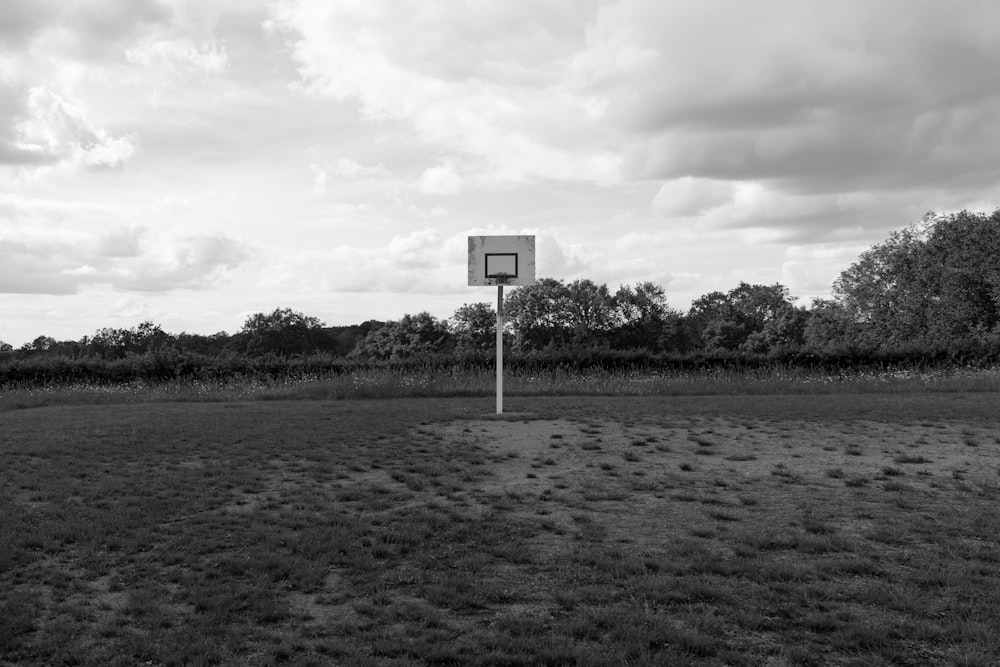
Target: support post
{"points": [[499, 349]]}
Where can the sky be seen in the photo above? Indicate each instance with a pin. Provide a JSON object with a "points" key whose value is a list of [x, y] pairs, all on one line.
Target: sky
{"points": [[192, 162]]}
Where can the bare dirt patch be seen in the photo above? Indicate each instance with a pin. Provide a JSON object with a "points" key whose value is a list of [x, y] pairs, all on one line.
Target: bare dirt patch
{"points": [[704, 474]]}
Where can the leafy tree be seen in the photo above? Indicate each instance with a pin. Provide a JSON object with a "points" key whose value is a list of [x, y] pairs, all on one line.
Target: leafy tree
{"points": [[935, 284], [539, 314], [553, 314], [149, 337], [109, 342], [831, 329], [885, 288], [724, 322], [40, 344], [211, 345], [589, 311], [283, 332], [413, 335], [117, 343], [783, 332], [346, 338], [474, 326], [644, 320], [5, 347], [963, 254]]}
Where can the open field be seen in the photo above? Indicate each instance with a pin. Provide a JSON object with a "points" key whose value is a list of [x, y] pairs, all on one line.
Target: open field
{"points": [[837, 529]]}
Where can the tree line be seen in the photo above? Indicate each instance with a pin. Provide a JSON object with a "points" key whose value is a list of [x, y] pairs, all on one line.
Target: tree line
{"points": [[929, 290]]}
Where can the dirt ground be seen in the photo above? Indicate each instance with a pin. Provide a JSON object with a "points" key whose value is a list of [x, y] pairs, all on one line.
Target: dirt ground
{"points": [[644, 480]]}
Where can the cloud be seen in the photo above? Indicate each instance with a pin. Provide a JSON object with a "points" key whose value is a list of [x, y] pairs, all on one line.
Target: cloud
{"points": [[440, 180], [845, 96], [124, 242], [775, 113], [92, 30], [177, 53], [131, 307], [59, 56], [54, 131], [692, 196], [50, 259], [21, 19], [764, 213], [184, 262], [511, 117], [343, 168], [319, 179], [351, 169]]}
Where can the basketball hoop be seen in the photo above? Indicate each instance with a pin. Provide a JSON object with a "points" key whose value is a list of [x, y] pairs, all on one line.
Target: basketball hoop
{"points": [[496, 261]]}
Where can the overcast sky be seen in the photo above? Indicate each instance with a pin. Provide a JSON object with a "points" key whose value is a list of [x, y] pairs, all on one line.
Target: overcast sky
{"points": [[191, 162]]}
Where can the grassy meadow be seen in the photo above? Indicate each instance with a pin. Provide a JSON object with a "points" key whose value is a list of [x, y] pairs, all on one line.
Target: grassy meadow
{"points": [[410, 382], [830, 529]]}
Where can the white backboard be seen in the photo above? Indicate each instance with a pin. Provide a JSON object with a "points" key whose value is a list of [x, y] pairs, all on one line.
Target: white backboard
{"points": [[490, 256]]}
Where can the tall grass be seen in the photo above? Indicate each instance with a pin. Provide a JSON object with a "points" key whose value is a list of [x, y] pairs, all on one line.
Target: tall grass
{"points": [[388, 382]]}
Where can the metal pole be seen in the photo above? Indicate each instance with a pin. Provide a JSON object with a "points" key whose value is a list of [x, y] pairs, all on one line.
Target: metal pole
{"points": [[499, 349]]}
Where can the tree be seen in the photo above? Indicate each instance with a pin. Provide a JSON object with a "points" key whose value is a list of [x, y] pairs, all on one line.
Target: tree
{"points": [[644, 320], [412, 336], [724, 322], [211, 345], [551, 313], [831, 329], [6, 347], [782, 333], [117, 343], [885, 288], [589, 312], [283, 332], [539, 314], [935, 284], [149, 337], [963, 253], [474, 326], [40, 344], [346, 338]]}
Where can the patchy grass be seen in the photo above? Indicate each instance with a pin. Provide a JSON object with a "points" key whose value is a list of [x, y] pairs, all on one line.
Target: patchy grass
{"points": [[429, 531]]}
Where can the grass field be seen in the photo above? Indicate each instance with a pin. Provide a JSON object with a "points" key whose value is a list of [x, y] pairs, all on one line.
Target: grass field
{"points": [[389, 382], [843, 529]]}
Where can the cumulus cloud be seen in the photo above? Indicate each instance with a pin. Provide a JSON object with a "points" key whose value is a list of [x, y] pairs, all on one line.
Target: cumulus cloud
{"points": [[93, 30], [440, 180], [54, 54], [54, 131], [131, 307], [21, 19], [514, 117], [183, 262], [348, 168], [53, 259], [774, 111], [692, 196], [842, 96], [178, 53], [343, 168], [319, 179]]}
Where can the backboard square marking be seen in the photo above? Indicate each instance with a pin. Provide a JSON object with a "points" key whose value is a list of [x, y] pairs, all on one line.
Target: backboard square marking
{"points": [[501, 264]]}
